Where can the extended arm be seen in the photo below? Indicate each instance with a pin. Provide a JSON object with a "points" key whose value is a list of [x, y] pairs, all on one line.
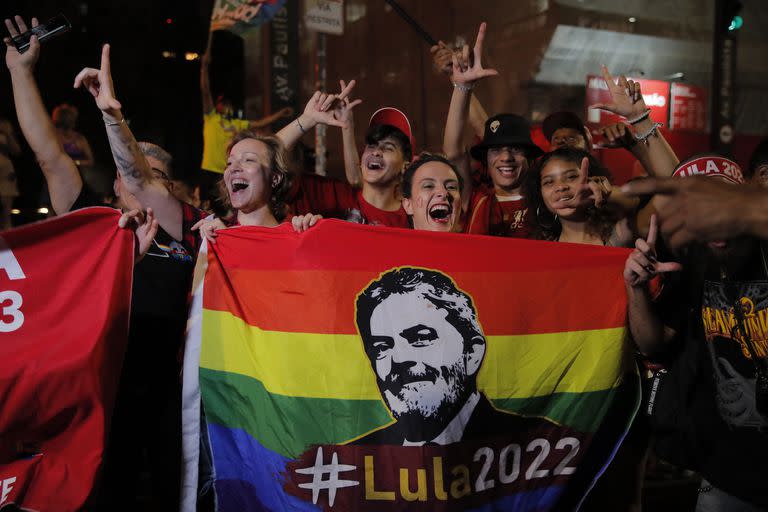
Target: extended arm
{"points": [[133, 167], [61, 174], [319, 110], [464, 77], [656, 155], [645, 325]]}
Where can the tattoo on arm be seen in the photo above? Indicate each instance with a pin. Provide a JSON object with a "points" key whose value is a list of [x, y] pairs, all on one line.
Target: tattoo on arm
{"points": [[128, 156]]}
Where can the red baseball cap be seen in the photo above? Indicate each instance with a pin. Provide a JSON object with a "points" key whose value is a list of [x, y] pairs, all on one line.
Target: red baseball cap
{"points": [[394, 117]]}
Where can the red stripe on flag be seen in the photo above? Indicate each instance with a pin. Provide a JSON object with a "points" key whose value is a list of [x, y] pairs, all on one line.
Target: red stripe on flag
{"points": [[360, 247], [308, 300]]}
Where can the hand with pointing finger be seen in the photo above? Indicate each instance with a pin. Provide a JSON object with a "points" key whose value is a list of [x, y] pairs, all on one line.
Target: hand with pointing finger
{"points": [[626, 97], [342, 109], [642, 265], [704, 209], [320, 108], [467, 71], [99, 83]]}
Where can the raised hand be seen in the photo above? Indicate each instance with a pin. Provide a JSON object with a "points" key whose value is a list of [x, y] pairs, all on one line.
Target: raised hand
{"points": [[442, 58], [467, 71], [99, 83], [14, 59], [320, 108], [144, 226], [642, 265], [342, 110], [626, 98], [594, 190]]}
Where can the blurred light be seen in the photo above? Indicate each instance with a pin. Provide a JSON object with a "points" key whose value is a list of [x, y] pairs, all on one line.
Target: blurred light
{"points": [[169, 20], [632, 19], [43, 210], [15, 211], [169, 55], [736, 23], [191, 56]]}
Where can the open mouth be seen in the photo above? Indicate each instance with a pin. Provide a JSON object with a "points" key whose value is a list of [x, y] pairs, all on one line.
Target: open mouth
{"points": [[507, 172], [375, 166], [238, 185], [440, 212], [565, 199]]}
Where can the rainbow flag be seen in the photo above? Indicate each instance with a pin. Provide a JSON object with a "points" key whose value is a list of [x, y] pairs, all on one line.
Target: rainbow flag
{"points": [[359, 368]]}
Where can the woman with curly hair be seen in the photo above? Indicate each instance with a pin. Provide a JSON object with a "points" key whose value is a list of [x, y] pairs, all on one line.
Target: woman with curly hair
{"points": [[570, 199], [255, 185]]}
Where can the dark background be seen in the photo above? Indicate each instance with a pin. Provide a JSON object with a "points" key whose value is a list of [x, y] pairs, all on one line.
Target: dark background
{"points": [[160, 96]]}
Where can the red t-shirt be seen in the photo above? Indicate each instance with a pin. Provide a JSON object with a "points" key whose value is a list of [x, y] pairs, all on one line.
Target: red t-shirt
{"points": [[339, 200], [492, 215]]}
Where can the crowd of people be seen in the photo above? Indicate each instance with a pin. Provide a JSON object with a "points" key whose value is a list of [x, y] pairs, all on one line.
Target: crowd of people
{"points": [[696, 279]]}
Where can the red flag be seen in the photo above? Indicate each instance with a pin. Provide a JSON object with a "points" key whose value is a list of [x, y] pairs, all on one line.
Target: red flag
{"points": [[65, 287]]}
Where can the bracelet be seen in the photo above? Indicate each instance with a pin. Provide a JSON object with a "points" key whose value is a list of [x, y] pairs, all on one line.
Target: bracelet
{"points": [[301, 128], [641, 117], [463, 87], [113, 123], [651, 131]]}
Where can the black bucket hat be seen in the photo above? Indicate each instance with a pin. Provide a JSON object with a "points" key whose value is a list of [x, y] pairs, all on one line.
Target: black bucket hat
{"points": [[506, 130]]}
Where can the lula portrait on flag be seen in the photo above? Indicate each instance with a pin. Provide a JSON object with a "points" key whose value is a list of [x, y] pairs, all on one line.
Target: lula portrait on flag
{"points": [[419, 379]]}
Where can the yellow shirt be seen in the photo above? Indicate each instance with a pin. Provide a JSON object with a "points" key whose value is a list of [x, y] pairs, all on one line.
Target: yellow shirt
{"points": [[217, 132]]}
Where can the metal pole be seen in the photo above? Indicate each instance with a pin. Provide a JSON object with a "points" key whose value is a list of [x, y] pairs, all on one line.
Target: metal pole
{"points": [[320, 129]]}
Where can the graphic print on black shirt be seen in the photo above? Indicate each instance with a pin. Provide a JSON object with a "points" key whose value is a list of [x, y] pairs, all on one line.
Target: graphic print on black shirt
{"points": [[732, 359]]}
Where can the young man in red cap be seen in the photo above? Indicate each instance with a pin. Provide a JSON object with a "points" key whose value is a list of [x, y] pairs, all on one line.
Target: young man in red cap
{"points": [[711, 405], [388, 150], [505, 151]]}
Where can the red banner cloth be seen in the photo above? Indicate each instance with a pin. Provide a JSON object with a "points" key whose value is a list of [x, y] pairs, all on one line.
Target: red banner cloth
{"points": [[65, 287]]}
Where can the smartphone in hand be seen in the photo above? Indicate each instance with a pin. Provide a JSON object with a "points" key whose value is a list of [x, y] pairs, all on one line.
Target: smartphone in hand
{"points": [[53, 27]]}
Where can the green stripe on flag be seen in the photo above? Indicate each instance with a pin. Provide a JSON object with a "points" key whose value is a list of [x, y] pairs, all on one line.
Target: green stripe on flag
{"points": [[288, 425]]}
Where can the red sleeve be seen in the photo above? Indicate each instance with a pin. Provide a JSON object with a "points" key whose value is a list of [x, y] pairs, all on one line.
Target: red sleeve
{"points": [[323, 196], [478, 216], [189, 217]]}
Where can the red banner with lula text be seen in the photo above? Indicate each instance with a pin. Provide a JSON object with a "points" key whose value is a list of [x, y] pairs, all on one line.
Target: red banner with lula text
{"points": [[65, 287]]}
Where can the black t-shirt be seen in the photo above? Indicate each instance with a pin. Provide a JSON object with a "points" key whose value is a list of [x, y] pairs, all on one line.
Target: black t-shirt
{"points": [[159, 302], [708, 396]]}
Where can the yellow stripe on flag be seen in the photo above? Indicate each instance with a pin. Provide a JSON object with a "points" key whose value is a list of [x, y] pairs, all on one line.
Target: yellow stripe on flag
{"points": [[335, 366]]}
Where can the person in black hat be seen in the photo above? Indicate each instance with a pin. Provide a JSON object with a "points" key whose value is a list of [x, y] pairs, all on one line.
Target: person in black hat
{"points": [[566, 129], [506, 152]]}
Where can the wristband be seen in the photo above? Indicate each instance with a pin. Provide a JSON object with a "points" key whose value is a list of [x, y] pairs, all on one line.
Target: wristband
{"points": [[651, 131], [107, 122], [301, 128], [641, 117], [463, 87]]}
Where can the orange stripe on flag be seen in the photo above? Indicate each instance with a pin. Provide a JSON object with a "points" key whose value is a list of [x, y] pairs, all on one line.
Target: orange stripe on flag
{"points": [[307, 300]]}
